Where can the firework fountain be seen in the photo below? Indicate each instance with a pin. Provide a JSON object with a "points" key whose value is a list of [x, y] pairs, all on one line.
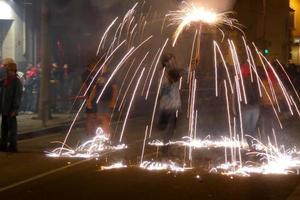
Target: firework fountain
{"points": [[130, 42]]}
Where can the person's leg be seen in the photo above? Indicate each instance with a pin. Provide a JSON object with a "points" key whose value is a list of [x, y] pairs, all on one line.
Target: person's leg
{"points": [[266, 123], [89, 124], [12, 137], [253, 122], [104, 121], [246, 119], [95, 123], [4, 134], [171, 125]]}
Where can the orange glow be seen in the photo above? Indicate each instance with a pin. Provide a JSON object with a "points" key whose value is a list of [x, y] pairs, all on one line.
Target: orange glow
{"points": [[295, 5]]}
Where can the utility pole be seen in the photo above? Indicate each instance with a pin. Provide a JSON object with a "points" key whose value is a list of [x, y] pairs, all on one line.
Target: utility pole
{"points": [[44, 82]]}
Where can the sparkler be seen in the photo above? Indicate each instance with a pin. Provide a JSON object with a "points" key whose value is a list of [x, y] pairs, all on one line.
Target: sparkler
{"points": [[193, 14], [274, 159]]}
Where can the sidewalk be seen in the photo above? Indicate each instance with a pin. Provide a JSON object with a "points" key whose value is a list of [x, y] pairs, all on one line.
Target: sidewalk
{"points": [[29, 126]]}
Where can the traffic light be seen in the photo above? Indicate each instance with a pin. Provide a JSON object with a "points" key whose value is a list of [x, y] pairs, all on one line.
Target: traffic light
{"points": [[266, 51]]}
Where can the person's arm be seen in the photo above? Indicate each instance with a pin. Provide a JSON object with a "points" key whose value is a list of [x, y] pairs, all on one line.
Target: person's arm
{"points": [[91, 97], [114, 95], [17, 97]]}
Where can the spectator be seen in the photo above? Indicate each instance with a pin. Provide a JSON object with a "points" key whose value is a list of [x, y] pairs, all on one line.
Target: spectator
{"points": [[55, 87], [10, 96], [31, 87], [66, 85]]}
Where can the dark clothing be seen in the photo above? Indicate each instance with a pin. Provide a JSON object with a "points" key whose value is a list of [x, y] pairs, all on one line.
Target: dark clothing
{"points": [[10, 96], [251, 90], [10, 99], [167, 122], [9, 133], [268, 123], [56, 75], [86, 78], [31, 91], [108, 92], [251, 110], [250, 121]]}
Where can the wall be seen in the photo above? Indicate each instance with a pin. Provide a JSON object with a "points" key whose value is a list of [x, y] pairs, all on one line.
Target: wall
{"points": [[268, 27]]}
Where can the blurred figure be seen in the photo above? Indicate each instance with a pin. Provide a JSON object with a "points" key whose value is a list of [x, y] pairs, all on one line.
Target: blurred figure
{"points": [[269, 121], [66, 85], [10, 99], [55, 87], [169, 105], [31, 89], [4, 63], [251, 109], [91, 122], [107, 100]]}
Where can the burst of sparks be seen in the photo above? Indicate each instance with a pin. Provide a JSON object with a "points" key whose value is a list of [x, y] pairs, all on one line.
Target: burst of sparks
{"points": [[90, 149], [160, 166], [194, 14], [202, 143], [118, 165], [274, 161]]}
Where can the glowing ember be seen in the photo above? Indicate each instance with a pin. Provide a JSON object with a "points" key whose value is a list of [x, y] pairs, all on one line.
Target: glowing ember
{"points": [[273, 161], [89, 149], [191, 14], [118, 165], [159, 166], [205, 143]]}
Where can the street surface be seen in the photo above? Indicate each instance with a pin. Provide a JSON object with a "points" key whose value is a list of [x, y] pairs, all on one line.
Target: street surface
{"points": [[29, 174]]}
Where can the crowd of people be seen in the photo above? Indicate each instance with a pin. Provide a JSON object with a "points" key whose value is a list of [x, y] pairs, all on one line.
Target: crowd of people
{"points": [[62, 86], [19, 93]]}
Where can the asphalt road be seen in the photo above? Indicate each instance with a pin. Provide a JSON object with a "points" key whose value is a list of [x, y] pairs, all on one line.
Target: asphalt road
{"points": [[29, 174]]}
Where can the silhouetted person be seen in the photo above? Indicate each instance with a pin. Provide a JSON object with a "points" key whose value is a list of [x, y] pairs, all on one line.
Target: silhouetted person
{"points": [[10, 99]]}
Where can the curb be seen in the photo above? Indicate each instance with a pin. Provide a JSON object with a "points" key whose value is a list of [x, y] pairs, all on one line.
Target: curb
{"points": [[49, 130]]}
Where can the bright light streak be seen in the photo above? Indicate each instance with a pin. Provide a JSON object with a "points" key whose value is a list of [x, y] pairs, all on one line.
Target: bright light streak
{"points": [[90, 149], [156, 101], [101, 44], [275, 160], [129, 108], [156, 64], [194, 14], [204, 143], [118, 165], [161, 166]]}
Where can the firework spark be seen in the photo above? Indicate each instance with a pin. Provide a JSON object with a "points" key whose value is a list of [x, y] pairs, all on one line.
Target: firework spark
{"points": [[202, 143], [193, 14], [90, 149], [272, 160], [118, 165], [160, 166]]}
